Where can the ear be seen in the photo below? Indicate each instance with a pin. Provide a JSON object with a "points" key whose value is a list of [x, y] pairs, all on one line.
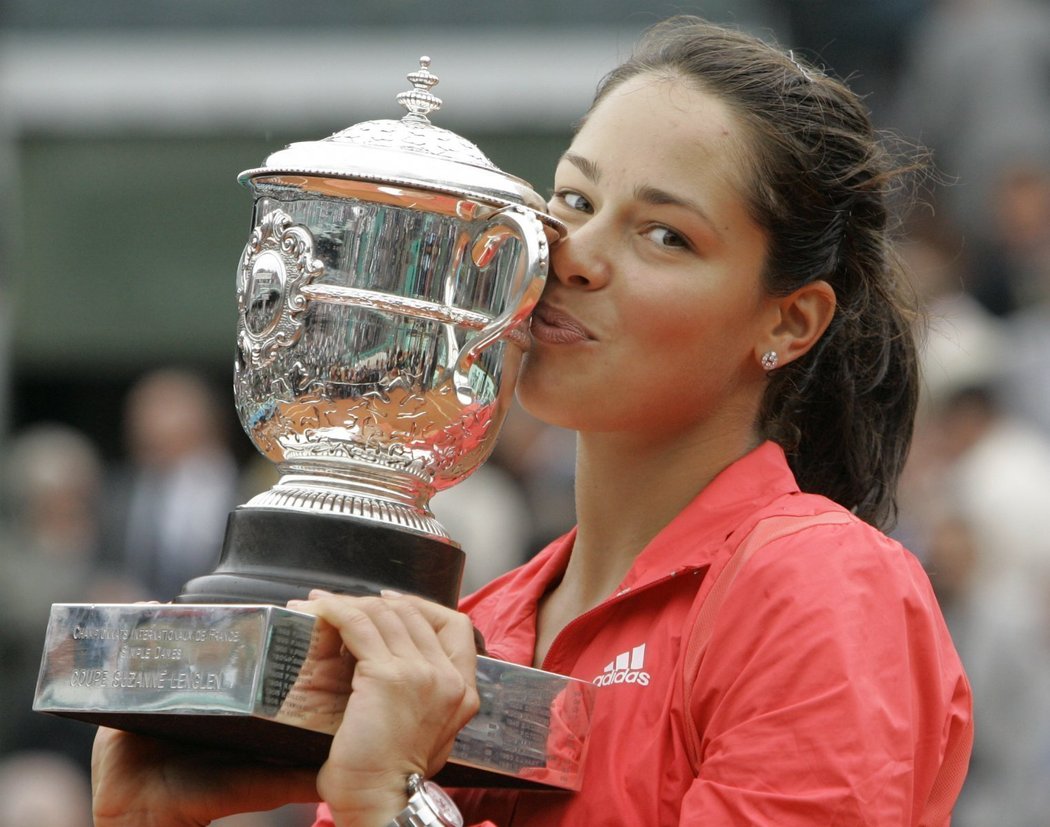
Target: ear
{"points": [[798, 320]]}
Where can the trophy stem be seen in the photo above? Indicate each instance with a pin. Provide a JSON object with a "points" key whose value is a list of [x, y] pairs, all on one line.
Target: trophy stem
{"points": [[273, 555], [356, 490]]}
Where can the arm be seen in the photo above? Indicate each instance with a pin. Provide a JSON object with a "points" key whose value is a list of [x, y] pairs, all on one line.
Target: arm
{"points": [[143, 782]]}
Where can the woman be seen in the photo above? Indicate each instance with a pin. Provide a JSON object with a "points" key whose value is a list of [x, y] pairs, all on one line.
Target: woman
{"points": [[723, 327]]}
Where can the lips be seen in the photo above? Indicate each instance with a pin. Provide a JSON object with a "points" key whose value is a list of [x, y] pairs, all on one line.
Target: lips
{"points": [[554, 326], [519, 335]]}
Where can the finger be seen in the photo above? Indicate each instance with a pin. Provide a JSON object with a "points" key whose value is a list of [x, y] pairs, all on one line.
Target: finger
{"points": [[381, 632], [455, 634], [357, 628], [404, 628], [418, 626], [454, 630]]}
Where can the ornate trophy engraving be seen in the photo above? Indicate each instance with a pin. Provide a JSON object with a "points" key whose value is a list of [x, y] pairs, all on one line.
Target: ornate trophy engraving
{"points": [[381, 300]]}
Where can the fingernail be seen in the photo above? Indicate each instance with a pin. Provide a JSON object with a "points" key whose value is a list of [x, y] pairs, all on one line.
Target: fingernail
{"points": [[390, 593], [316, 593]]}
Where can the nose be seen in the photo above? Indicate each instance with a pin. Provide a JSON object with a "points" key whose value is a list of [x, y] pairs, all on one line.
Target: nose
{"points": [[582, 259]]}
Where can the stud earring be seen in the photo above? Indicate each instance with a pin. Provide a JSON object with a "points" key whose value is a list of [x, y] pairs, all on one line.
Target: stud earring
{"points": [[769, 360]]}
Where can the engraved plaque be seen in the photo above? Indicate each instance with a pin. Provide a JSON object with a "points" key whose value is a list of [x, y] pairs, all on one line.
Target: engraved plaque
{"points": [[275, 682]]}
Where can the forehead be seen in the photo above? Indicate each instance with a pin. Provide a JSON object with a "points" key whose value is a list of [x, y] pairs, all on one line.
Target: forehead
{"points": [[661, 120]]}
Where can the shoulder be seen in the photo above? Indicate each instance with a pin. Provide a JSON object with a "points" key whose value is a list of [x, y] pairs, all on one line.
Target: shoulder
{"points": [[837, 600], [824, 544], [826, 586]]}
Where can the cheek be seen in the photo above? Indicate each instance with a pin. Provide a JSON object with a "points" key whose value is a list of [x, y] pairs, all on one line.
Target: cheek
{"points": [[675, 322], [704, 338]]}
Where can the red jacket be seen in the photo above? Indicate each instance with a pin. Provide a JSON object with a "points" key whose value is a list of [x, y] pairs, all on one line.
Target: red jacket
{"points": [[829, 692]]}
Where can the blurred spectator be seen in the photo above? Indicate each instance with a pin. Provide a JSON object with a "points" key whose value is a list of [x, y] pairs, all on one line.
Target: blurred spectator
{"points": [[41, 789], [1027, 368], [543, 460], [997, 476], [53, 486], [171, 502], [988, 464], [1015, 257], [515, 503], [1023, 253], [488, 515], [49, 553], [976, 89]]}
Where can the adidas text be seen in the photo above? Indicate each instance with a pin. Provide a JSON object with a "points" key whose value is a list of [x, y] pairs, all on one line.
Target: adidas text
{"points": [[625, 668]]}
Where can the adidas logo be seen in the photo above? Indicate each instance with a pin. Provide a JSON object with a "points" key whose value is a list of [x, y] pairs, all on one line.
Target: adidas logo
{"points": [[626, 668]]}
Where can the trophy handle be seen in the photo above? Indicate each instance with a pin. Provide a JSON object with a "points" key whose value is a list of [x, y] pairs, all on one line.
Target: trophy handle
{"points": [[510, 222]]}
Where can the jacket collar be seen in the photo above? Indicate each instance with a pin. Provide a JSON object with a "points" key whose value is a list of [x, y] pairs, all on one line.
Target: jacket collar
{"points": [[739, 491], [688, 542]]}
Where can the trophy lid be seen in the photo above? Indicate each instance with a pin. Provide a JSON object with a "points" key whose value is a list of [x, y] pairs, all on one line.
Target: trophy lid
{"points": [[410, 152]]}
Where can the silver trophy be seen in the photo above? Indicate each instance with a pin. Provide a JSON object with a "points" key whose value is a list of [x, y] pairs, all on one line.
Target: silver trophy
{"points": [[382, 299]]}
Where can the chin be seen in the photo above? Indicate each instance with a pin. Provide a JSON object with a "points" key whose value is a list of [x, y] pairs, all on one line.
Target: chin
{"points": [[549, 404]]}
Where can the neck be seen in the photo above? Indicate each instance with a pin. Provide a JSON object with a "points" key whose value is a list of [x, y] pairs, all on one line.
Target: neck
{"points": [[627, 490], [628, 487]]}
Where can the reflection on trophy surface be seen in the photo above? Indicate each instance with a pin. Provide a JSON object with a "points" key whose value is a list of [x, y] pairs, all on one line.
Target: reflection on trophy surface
{"points": [[381, 298], [388, 274]]}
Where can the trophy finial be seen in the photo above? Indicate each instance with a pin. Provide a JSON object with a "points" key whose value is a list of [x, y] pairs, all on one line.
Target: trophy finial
{"points": [[420, 101]]}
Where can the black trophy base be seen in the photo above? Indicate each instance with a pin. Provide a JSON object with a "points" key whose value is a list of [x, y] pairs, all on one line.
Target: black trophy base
{"points": [[272, 555]]}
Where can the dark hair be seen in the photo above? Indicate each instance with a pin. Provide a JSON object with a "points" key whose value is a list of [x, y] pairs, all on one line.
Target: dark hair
{"points": [[821, 185]]}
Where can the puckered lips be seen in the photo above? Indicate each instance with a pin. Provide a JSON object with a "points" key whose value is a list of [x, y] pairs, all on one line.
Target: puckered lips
{"points": [[519, 335], [552, 325]]}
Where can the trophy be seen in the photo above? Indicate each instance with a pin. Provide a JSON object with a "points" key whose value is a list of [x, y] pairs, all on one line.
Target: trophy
{"points": [[383, 297]]}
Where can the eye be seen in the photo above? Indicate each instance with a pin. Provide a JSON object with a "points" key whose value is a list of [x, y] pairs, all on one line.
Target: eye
{"points": [[666, 237], [574, 201]]}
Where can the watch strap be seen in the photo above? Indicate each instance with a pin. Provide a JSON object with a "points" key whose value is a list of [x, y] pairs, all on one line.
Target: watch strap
{"points": [[428, 806]]}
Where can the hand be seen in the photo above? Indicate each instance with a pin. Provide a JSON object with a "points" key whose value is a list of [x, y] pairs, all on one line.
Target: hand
{"points": [[413, 689], [142, 782]]}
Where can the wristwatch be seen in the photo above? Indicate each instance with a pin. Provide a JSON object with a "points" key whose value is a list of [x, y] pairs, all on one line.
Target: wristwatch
{"points": [[428, 805]]}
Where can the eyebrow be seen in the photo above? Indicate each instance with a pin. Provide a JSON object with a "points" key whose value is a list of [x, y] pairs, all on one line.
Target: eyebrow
{"points": [[585, 165], [644, 192]]}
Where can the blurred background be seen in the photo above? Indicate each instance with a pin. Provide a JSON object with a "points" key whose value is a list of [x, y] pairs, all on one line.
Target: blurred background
{"points": [[123, 125]]}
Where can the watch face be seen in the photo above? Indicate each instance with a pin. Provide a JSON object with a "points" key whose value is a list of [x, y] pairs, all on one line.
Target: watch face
{"points": [[444, 806]]}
